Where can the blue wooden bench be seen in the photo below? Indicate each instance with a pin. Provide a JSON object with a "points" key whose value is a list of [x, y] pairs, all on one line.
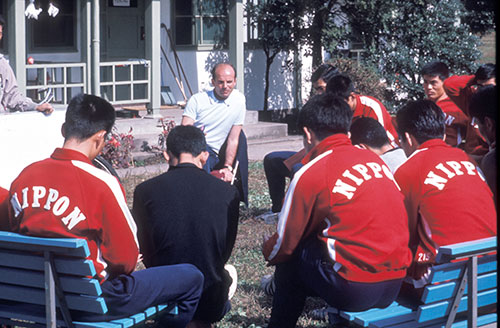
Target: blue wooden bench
{"points": [[43, 279], [446, 300]]}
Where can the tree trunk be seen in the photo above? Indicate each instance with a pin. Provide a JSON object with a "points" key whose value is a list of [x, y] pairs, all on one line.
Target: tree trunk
{"points": [[269, 62]]}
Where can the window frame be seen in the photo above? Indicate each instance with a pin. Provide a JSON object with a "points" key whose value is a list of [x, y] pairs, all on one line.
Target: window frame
{"points": [[32, 48], [197, 17]]}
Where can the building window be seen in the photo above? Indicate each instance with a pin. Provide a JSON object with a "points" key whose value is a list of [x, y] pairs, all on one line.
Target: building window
{"points": [[53, 33], [200, 22]]}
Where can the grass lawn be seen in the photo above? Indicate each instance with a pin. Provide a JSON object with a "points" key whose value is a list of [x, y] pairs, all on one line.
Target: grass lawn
{"points": [[250, 306]]}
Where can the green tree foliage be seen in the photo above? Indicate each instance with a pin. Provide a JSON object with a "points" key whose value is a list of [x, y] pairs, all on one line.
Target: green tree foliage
{"points": [[367, 80], [401, 36], [289, 25]]}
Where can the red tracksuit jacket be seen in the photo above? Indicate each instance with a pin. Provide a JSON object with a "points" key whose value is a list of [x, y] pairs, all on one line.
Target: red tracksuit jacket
{"points": [[367, 106], [66, 196], [347, 197], [460, 90], [446, 198]]}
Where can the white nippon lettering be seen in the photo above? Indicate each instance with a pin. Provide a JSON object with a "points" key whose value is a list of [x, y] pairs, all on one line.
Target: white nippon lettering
{"points": [[73, 218], [38, 193], [449, 119], [456, 167], [53, 195], [451, 169], [435, 180], [349, 175], [16, 206], [363, 170], [471, 168], [25, 197], [441, 167], [60, 206], [344, 189], [376, 168]]}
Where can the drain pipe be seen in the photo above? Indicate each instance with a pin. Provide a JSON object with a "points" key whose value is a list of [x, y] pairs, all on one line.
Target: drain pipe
{"points": [[96, 51]]}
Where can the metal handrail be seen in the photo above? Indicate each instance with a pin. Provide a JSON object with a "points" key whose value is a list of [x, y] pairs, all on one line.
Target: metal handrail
{"points": [[46, 74]]}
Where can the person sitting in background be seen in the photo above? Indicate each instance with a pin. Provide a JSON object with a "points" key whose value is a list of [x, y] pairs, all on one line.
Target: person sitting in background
{"points": [[446, 198], [342, 233], [483, 108], [188, 216], [362, 106], [279, 165], [460, 89], [10, 98], [367, 133], [457, 133], [66, 196]]}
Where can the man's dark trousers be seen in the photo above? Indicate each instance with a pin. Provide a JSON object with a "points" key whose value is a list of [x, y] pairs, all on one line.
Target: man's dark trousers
{"points": [[216, 162], [310, 273], [276, 174]]}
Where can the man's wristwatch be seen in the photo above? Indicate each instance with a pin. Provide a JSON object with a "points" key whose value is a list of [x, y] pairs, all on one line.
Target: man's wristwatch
{"points": [[228, 167]]}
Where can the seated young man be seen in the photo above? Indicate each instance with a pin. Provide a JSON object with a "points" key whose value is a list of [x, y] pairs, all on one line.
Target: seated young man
{"points": [[188, 216], [483, 109], [279, 165], [342, 86], [460, 89], [66, 196], [342, 234], [446, 197], [367, 133]]}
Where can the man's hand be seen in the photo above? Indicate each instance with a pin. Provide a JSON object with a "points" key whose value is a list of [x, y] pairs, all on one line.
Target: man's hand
{"points": [[265, 238], [227, 175], [45, 108]]}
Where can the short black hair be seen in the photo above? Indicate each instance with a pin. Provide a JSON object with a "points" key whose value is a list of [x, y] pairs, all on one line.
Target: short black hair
{"points": [[325, 115], [486, 72], [340, 85], [422, 119], [219, 64], [368, 131], [436, 68], [87, 115], [2, 21], [324, 72], [484, 103], [186, 139]]}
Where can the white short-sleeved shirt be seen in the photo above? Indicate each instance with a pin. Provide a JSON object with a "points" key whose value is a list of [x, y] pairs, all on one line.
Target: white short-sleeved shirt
{"points": [[216, 117]]}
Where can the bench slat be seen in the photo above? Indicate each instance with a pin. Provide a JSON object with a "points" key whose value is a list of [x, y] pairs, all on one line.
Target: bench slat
{"points": [[37, 296], [481, 321], [435, 293], [404, 319], [458, 250], [365, 318], [350, 315], [63, 246], [79, 267], [438, 310], [450, 271], [104, 324], [36, 279]]}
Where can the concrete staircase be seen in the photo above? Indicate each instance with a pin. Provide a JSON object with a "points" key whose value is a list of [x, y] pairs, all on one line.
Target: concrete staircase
{"points": [[262, 136]]}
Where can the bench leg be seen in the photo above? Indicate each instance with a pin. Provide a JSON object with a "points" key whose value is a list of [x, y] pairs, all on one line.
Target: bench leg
{"points": [[458, 297], [472, 292], [50, 294]]}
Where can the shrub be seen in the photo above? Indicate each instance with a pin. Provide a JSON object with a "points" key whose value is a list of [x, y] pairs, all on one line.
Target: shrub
{"points": [[118, 149]]}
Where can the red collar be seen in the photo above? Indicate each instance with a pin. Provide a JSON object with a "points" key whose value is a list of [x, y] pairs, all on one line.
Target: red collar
{"points": [[326, 144], [65, 154]]}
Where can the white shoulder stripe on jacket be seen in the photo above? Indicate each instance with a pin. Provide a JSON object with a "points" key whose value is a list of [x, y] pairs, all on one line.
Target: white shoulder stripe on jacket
{"points": [[115, 188], [285, 210]]}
